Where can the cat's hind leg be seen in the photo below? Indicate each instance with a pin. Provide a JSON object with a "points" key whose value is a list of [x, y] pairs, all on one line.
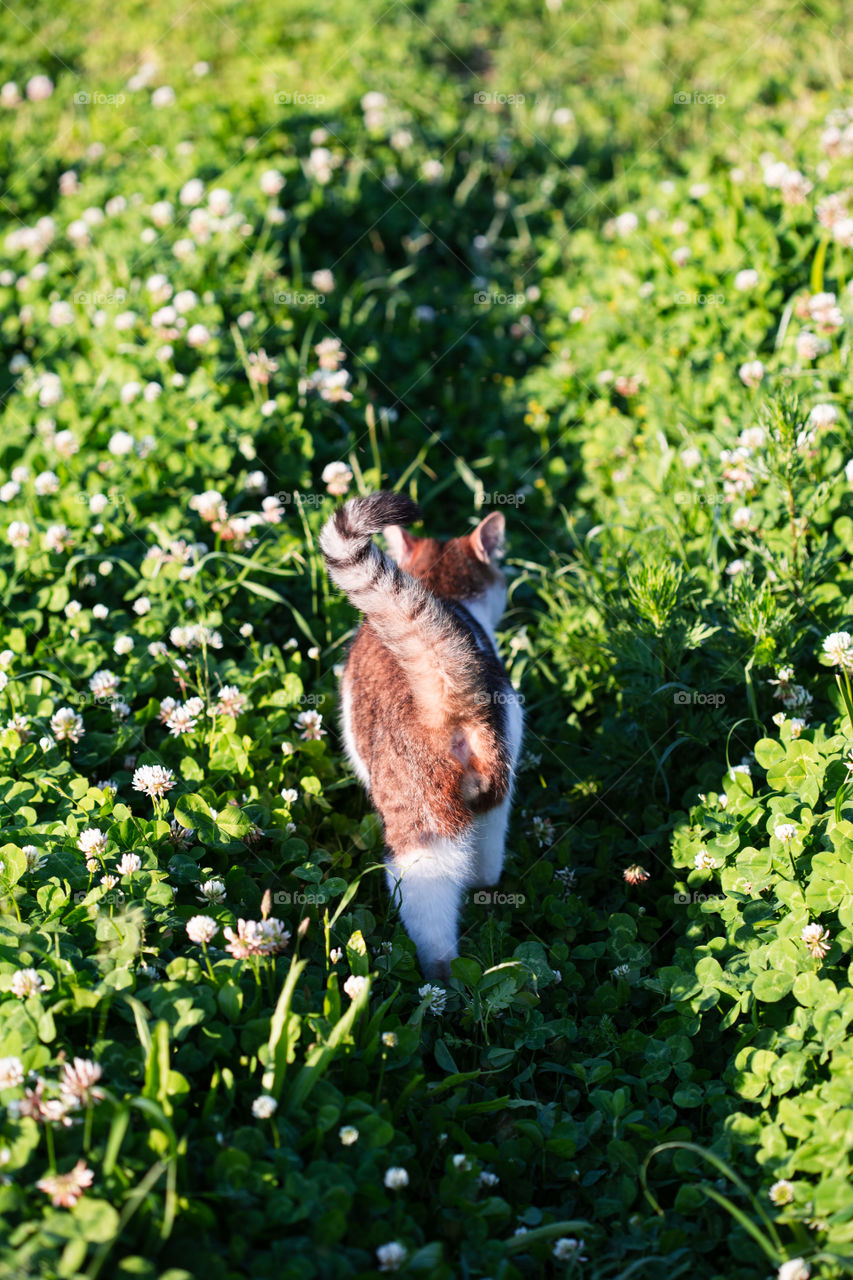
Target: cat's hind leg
{"points": [[489, 842], [428, 881]]}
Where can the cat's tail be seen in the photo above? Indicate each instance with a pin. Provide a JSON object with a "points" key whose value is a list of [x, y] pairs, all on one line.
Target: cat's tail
{"points": [[421, 633]]}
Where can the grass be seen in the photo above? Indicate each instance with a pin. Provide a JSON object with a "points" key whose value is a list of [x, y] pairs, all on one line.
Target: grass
{"points": [[557, 251]]}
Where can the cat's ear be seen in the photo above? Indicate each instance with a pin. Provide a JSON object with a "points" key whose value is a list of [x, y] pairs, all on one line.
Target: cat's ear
{"points": [[487, 540], [400, 542]]}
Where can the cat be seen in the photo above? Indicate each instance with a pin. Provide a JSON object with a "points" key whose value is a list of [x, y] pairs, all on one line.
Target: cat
{"points": [[430, 722]]}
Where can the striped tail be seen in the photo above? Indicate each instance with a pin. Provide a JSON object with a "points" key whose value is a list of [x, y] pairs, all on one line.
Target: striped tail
{"points": [[421, 633]]}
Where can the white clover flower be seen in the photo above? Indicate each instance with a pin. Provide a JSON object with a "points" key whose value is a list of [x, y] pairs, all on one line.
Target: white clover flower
{"points": [[185, 300], [785, 831], [256, 482], [39, 88], [202, 929], [825, 312], [822, 415], [751, 373], [797, 726], [337, 477], [264, 1107], [816, 939], [231, 702], [389, 1039], [396, 1178], [104, 684], [838, 647], [129, 864], [271, 182], [794, 1269], [323, 281], [567, 1247], [79, 1080], [705, 861], [355, 985], [163, 97], [181, 719], [153, 780], [391, 1256], [11, 1073], [336, 953], [348, 1135], [782, 1192], [435, 997], [746, 280], [92, 841], [25, 982], [310, 723], [57, 537], [121, 443], [808, 345], [198, 335], [461, 1161], [212, 891], [67, 724], [35, 860], [256, 938], [192, 192], [123, 645], [18, 534], [109, 882]]}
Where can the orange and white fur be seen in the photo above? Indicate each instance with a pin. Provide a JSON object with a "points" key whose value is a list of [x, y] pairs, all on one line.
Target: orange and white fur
{"points": [[430, 721]]}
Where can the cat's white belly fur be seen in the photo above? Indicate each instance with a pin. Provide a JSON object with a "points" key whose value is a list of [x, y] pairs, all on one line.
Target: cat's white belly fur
{"points": [[349, 739]]}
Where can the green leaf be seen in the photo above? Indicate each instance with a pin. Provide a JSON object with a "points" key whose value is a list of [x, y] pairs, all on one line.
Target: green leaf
{"points": [[232, 822], [13, 863], [771, 985], [769, 751], [444, 1057]]}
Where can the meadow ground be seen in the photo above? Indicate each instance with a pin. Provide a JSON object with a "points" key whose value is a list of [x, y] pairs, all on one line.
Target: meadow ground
{"points": [[585, 265]]}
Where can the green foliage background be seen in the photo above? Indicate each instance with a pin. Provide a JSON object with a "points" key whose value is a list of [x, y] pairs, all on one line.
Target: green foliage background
{"points": [[632, 1066]]}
